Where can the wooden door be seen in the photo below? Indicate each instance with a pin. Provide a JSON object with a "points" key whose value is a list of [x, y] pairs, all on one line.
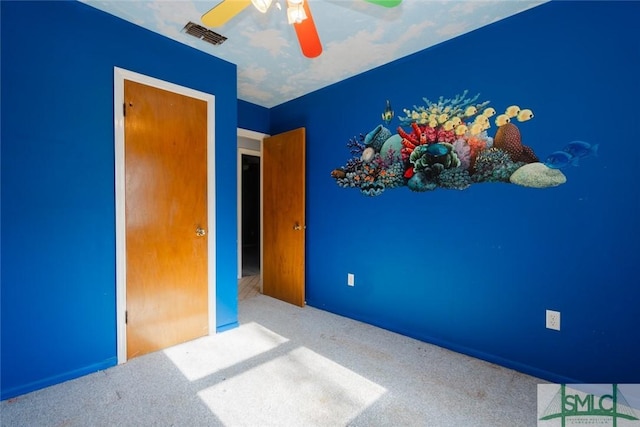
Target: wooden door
{"points": [[283, 268], [166, 217]]}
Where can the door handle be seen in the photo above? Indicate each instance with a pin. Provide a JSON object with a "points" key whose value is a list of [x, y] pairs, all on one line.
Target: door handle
{"points": [[200, 232], [298, 227]]}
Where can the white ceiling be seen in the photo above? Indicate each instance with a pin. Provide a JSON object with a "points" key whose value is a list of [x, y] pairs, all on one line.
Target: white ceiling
{"points": [[356, 36]]}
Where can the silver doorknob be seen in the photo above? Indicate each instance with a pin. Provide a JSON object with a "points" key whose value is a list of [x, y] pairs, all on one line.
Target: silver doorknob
{"points": [[297, 227], [200, 232]]}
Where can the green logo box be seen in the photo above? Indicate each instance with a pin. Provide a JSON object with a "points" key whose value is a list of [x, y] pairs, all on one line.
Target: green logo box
{"points": [[592, 405]]}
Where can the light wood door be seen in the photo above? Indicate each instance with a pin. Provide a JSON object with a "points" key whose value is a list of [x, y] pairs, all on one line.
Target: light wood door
{"points": [[166, 216], [283, 268]]}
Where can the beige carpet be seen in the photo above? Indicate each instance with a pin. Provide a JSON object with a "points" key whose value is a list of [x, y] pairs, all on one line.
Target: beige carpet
{"points": [[288, 366]]}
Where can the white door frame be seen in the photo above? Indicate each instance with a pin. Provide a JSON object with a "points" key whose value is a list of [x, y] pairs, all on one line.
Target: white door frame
{"points": [[119, 76], [256, 136]]}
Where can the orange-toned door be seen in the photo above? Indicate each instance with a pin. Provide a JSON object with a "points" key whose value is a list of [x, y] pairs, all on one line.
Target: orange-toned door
{"points": [[166, 218], [283, 186]]}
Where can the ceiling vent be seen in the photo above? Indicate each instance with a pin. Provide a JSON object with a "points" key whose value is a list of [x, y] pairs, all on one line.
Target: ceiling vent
{"points": [[204, 34]]}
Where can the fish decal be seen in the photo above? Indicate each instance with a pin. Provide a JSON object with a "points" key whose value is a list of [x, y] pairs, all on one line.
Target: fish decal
{"points": [[387, 115], [571, 154], [512, 111], [461, 130], [502, 120], [525, 115], [476, 129], [581, 149], [489, 112], [448, 125], [449, 146], [470, 111], [559, 160]]}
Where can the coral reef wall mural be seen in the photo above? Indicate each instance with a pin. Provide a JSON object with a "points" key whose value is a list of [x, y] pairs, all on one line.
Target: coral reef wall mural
{"points": [[447, 144]]}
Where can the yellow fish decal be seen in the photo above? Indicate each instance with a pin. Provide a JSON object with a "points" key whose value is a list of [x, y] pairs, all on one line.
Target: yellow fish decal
{"points": [[481, 119], [489, 112], [470, 111], [525, 115], [461, 130], [448, 125], [476, 129], [502, 120], [442, 118], [512, 111]]}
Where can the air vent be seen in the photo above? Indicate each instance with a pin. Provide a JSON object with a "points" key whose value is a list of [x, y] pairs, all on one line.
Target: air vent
{"points": [[204, 34]]}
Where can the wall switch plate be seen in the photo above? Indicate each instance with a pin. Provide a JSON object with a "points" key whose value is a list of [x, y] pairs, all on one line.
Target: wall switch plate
{"points": [[351, 279], [553, 320]]}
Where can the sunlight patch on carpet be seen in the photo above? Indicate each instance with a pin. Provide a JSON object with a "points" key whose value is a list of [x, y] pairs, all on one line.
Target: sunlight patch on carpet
{"points": [[299, 388], [208, 355]]}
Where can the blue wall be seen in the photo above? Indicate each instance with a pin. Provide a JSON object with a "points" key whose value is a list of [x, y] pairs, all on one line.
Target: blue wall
{"points": [[253, 117], [58, 209], [474, 270]]}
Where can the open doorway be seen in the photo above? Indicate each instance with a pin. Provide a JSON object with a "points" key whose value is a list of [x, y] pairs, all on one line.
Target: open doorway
{"points": [[280, 260], [250, 215], [249, 184]]}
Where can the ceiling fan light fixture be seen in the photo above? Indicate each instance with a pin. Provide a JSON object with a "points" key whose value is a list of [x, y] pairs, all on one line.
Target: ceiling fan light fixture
{"points": [[261, 5], [296, 13]]}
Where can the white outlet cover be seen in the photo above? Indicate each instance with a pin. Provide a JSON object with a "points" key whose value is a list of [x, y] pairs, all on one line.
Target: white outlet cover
{"points": [[553, 320], [351, 279]]}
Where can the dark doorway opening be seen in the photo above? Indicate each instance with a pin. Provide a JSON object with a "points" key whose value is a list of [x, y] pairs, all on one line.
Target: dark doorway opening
{"points": [[250, 215]]}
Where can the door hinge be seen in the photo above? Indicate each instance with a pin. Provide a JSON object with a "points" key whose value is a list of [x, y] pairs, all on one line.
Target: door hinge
{"points": [[124, 109], [126, 317]]}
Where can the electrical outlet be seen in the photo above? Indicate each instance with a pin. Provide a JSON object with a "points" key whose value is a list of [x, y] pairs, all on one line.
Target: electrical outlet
{"points": [[553, 320], [351, 279]]}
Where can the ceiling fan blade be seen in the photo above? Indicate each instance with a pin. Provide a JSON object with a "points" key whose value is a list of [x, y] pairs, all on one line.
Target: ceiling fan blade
{"points": [[221, 13], [385, 3], [308, 35]]}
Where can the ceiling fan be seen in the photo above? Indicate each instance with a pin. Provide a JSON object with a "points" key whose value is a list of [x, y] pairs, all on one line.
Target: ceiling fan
{"points": [[298, 14]]}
